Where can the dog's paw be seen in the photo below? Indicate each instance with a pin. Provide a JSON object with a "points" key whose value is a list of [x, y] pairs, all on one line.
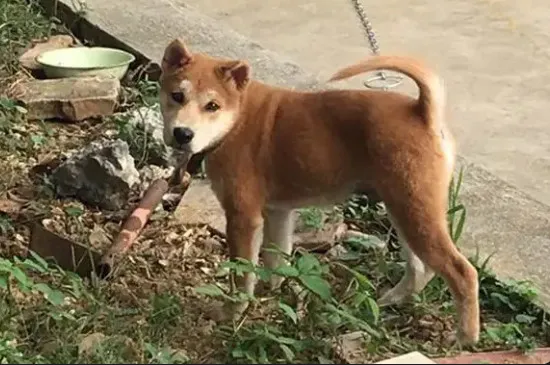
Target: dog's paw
{"points": [[225, 312], [467, 339], [393, 297]]}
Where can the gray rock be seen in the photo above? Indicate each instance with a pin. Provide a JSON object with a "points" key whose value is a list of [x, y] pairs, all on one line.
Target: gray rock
{"points": [[101, 174], [149, 173]]}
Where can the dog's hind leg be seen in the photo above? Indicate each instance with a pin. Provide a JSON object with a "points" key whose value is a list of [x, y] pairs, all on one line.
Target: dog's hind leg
{"points": [[417, 274], [421, 218]]}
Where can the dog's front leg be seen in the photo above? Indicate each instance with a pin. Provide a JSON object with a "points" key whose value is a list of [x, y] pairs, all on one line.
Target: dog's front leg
{"points": [[244, 239], [278, 229]]}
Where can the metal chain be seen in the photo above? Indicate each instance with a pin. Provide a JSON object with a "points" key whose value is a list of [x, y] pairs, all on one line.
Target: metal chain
{"points": [[388, 82], [367, 26]]}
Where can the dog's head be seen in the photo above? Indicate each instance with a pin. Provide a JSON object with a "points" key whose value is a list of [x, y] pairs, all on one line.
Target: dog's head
{"points": [[200, 97]]}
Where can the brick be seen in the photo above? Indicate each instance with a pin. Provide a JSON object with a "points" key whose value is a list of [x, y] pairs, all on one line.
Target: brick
{"points": [[28, 58], [72, 99]]}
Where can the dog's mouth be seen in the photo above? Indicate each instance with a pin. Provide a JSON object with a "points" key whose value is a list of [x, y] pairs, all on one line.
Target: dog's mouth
{"points": [[182, 148]]}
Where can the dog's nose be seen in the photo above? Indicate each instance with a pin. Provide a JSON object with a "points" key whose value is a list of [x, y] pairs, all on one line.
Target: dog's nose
{"points": [[183, 135]]}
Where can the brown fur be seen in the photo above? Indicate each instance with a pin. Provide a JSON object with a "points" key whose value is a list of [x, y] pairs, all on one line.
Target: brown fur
{"points": [[289, 149]]}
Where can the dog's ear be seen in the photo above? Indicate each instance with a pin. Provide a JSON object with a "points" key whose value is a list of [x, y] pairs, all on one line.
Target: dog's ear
{"points": [[176, 55], [238, 71]]}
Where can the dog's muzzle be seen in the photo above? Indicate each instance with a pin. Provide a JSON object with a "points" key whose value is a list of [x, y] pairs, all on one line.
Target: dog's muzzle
{"points": [[183, 135]]}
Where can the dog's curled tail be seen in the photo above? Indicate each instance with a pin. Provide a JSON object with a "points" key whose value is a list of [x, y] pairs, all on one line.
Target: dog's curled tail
{"points": [[431, 100]]}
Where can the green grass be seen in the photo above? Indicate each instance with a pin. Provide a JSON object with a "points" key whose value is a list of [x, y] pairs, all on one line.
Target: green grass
{"points": [[20, 23], [311, 217], [48, 315]]}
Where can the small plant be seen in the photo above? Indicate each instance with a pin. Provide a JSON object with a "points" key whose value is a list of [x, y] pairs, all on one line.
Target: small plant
{"points": [[10, 112], [307, 312], [311, 217], [165, 308], [143, 146], [6, 225], [148, 91], [141, 91], [74, 211], [20, 22], [457, 212], [10, 353], [510, 334], [164, 355], [13, 274]]}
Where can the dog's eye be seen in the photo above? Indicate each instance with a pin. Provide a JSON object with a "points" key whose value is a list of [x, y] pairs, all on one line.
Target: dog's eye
{"points": [[211, 107], [178, 97]]}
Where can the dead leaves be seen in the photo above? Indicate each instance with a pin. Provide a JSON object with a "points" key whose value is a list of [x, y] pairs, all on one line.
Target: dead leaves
{"points": [[9, 207], [11, 204]]}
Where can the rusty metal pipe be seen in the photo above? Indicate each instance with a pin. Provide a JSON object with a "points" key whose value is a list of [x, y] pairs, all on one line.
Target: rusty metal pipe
{"points": [[133, 225]]}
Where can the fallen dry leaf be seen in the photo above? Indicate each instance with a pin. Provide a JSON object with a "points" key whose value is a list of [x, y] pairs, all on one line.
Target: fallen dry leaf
{"points": [[9, 207], [351, 347], [98, 237], [88, 343], [172, 237]]}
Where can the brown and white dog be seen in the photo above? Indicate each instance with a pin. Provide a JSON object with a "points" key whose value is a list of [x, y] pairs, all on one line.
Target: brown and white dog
{"points": [[271, 150]]}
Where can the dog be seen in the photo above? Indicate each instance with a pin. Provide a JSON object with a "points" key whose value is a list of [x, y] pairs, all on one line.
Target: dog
{"points": [[271, 150]]}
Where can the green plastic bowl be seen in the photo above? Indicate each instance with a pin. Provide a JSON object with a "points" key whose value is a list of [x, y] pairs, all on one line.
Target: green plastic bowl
{"points": [[85, 61]]}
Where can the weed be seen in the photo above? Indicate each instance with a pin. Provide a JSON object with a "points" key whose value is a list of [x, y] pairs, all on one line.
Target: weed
{"points": [[11, 116], [457, 212], [143, 146], [338, 296], [311, 217], [164, 355], [44, 310], [140, 92], [148, 92], [20, 22], [10, 112], [307, 312], [74, 211], [6, 225], [165, 308]]}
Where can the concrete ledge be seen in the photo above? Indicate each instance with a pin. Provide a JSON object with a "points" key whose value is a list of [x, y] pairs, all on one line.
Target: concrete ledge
{"points": [[144, 28], [500, 217], [84, 27], [503, 220]]}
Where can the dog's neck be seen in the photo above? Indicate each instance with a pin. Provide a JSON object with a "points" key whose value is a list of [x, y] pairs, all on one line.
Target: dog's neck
{"points": [[196, 159]]}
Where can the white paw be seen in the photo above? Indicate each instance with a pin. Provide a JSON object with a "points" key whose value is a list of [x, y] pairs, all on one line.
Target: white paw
{"points": [[393, 296]]}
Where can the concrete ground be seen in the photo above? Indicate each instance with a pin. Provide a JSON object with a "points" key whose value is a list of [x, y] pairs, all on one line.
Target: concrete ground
{"points": [[489, 53]]}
